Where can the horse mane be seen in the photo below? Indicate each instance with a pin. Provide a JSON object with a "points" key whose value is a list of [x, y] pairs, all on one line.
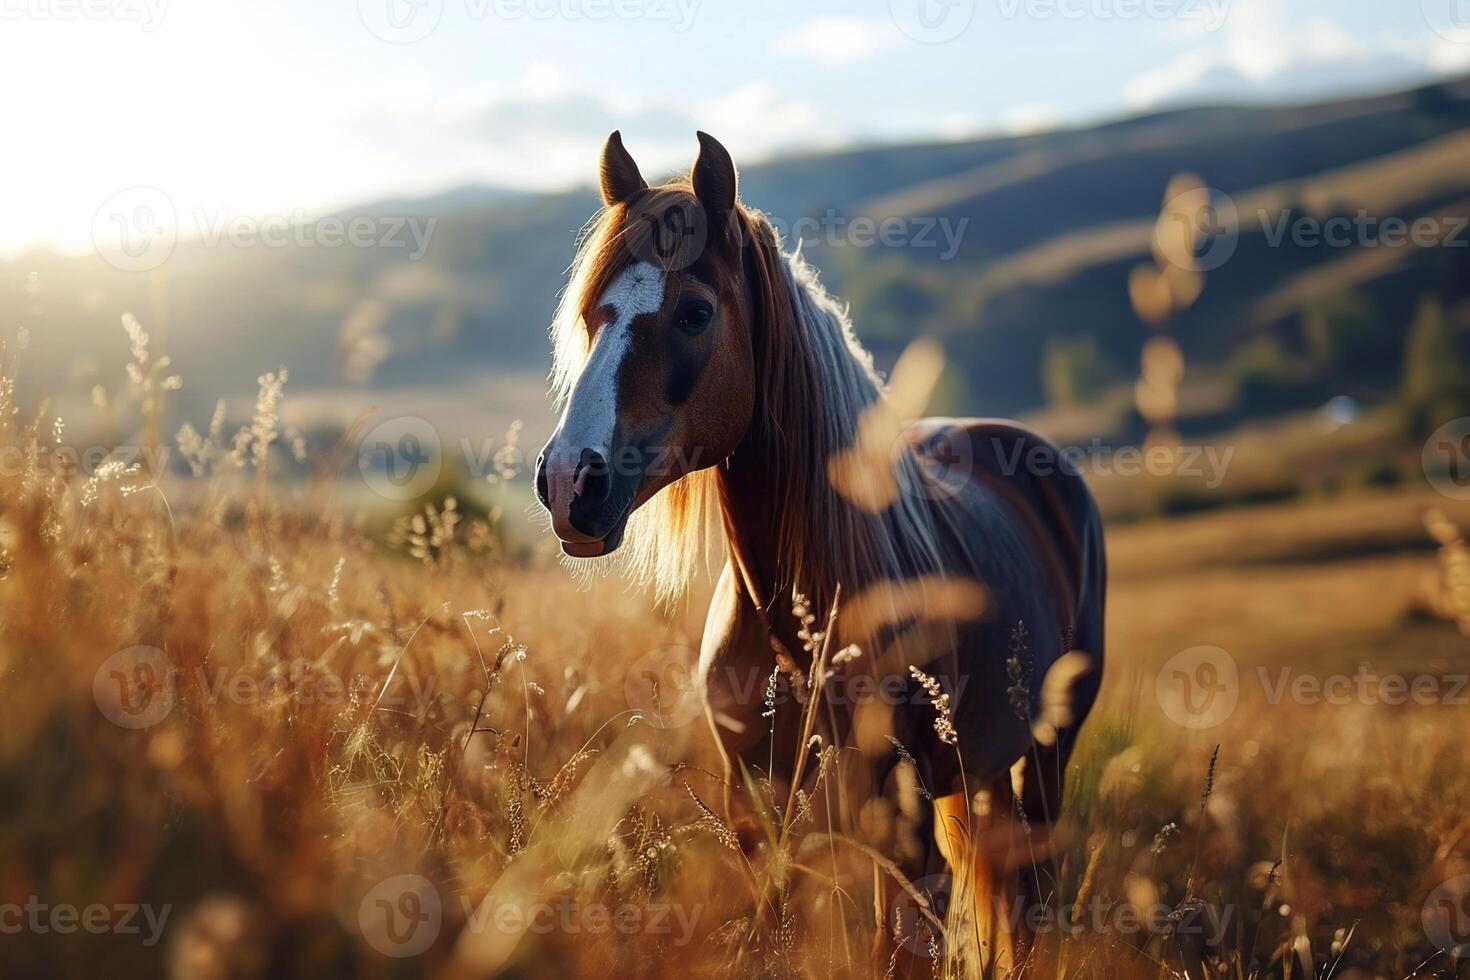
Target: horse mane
{"points": [[820, 389], [815, 382]]}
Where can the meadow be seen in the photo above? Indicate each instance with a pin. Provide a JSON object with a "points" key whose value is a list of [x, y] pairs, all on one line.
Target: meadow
{"points": [[255, 728]]}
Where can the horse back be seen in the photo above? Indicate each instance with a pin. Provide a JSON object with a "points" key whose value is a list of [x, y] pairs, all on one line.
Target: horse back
{"points": [[1044, 487], [1022, 521]]}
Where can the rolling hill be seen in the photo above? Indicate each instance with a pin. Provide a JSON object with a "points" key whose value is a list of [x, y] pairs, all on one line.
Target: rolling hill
{"points": [[1047, 228]]}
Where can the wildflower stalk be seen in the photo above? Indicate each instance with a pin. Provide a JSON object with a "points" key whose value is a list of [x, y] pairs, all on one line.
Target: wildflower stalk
{"points": [[1204, 804], [809, 716]]}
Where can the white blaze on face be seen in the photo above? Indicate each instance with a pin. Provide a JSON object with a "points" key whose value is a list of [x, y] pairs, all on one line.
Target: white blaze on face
{"points": [[591, 412]]}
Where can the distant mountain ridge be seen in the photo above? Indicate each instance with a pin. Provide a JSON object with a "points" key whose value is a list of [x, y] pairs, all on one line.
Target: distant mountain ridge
{"points": [[1052, 224]]}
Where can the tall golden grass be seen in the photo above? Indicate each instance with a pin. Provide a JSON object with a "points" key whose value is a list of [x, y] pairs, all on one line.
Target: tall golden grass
{"points": [[395, 754]]}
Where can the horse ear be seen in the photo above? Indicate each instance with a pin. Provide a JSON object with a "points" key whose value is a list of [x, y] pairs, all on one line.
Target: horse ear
{"points": [[715, 183], [619, 174]]}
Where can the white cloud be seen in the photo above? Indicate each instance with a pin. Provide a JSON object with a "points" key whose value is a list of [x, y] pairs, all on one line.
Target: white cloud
{"points": [[764, 118], [1263, 52], [959, 126], [1450, 57], [1029, 117], [546, 80], [837, 40], [1181, 77], [547, 134], [1322, 39]]}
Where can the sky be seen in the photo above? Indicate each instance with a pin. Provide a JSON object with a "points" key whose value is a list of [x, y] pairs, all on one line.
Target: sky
{"points": [[294, 107]]}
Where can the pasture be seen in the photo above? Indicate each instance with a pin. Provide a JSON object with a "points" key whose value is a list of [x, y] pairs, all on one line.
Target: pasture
{"points": [[275, 735]]}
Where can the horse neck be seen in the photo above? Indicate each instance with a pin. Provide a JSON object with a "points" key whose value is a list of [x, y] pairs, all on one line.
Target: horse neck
{"points": [[751, 505], [771, 493]]}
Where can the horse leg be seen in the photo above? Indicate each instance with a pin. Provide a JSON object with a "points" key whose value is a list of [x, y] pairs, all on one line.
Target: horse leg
{"points": [[983, 853], [909, 930], [735, 664], [1038, 779]]}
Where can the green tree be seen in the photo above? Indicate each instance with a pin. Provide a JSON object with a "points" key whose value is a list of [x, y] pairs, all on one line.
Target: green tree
{"points": [[893, 301], [1436, 381], [1345, 334], [1074, 371], [1265, 375]]}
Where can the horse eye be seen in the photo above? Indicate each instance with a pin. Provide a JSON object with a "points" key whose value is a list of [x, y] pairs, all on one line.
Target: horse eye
{"points": [[694, 317]]}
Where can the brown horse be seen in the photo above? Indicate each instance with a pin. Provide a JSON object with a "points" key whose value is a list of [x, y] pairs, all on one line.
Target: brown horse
{"points": [[709, 382]]}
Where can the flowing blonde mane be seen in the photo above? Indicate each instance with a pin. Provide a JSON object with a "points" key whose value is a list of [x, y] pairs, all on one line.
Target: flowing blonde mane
{"points": [[815, 383]]}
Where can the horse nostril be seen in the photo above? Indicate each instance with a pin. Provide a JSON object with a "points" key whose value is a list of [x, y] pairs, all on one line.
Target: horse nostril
{"points": [[592, 482], [543, 492]]}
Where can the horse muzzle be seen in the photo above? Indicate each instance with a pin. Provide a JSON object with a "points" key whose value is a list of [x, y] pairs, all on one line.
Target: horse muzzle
{"points": [[588, 498]]}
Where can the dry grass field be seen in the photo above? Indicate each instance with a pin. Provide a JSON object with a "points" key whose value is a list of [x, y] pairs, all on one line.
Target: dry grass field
{"points": [[248, 731]]}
